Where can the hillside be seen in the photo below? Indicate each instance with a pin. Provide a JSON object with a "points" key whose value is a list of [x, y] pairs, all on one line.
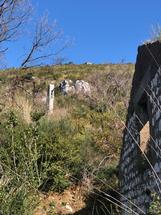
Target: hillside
{"points": [[74, 150]]}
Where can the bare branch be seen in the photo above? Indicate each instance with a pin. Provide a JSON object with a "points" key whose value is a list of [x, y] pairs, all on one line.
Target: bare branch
{"points": [[46, 35], [45, 39], [13, 14]]}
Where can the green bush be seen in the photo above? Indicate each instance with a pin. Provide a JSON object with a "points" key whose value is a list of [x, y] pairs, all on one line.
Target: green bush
{"points": [[46, 155], [36, 115], [155, 206], [17, 198], [41, 151]]}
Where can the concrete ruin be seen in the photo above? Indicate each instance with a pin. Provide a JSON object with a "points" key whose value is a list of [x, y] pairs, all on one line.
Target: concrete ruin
{"points": [[140, 172], [50, 98]]}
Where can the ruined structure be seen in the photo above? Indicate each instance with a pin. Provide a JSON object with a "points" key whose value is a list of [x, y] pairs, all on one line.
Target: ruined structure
{"points": [[140, 173], [50, 98]]}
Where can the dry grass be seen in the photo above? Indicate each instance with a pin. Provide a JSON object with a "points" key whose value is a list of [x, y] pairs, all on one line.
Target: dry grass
{"points": [[58, 113], [24, 107]]}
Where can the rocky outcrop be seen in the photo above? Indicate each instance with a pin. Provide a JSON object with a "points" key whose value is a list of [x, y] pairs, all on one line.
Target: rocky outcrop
{"points": [[77, 87]]}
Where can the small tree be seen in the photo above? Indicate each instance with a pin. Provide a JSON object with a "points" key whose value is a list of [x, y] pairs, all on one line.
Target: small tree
{"points": [[45, 35], [13, 15], [156, 30]]}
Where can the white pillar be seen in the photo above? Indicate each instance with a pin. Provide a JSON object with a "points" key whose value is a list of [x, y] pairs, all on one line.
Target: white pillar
{"points": [[50, 98]]}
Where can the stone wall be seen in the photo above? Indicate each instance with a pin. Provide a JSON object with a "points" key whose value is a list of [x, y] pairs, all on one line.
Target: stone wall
{"points": [[140, 172]]}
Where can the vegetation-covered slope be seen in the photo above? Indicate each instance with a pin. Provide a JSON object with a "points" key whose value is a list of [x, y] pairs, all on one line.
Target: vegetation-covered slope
{"points": [[79, 144]]}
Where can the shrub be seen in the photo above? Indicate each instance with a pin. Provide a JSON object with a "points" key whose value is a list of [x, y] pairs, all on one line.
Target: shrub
{"points": [[36, 115], [156, 33], [155, 207], [44, 156]]}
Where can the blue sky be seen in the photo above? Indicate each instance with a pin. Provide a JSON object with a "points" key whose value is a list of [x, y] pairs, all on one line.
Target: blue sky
{"points": [[103, 31]]}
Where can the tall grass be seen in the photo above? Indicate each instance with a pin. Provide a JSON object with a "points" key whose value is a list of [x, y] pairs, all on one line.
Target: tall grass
{"points": [[79, 144]]}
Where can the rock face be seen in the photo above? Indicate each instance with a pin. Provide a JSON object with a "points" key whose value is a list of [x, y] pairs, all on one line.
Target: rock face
{"points": [[66, 87], [82, 87], [140, 173], [77, 87]]}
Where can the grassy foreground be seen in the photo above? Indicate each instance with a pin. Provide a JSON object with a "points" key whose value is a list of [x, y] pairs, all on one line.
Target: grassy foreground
{"points": [[78, 145]]}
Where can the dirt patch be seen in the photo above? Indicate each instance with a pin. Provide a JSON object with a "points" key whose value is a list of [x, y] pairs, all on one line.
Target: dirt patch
{"points": [[68, 202]]}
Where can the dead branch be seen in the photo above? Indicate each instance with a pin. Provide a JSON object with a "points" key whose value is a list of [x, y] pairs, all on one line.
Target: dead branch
{"points": [[13, 14], [46, 35]]}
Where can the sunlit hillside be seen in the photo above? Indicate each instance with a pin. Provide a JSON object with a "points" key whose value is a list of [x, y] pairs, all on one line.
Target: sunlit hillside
{"points": [[67, 161]]}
